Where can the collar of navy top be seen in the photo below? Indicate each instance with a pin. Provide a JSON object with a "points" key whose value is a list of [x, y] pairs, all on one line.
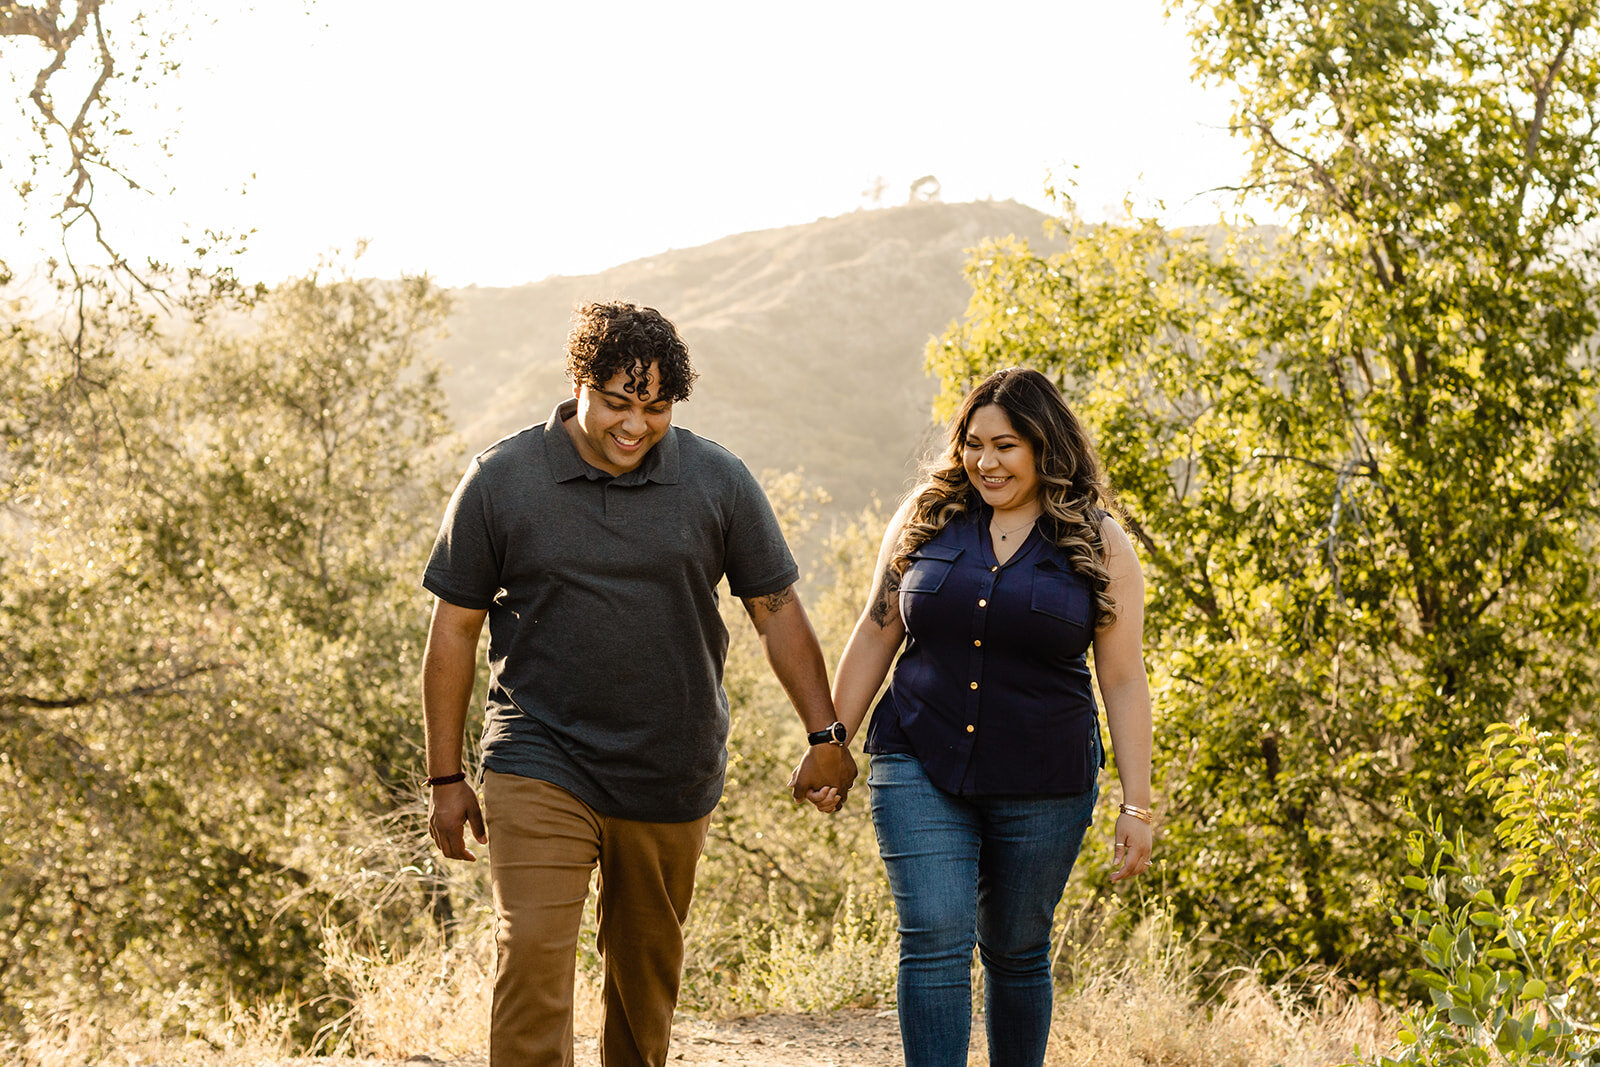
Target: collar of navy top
{"points": [[660, 464], [1026, 547]]}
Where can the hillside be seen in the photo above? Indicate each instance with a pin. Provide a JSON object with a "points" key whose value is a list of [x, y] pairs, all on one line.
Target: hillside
{"points": [[809, 339]]}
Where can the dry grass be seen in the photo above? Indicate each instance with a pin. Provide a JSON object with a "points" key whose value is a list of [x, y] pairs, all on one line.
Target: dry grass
{"points": [[1131, 1006], [1137, 1020], [1138, 1006], [432, 1001], [239, 1036]]}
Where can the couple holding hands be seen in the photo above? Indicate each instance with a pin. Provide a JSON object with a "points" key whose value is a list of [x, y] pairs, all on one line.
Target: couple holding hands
{"points": [[593, 544]]}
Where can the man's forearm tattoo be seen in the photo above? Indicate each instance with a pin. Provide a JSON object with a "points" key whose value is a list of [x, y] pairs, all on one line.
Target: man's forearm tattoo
{"points": [[775, 602], [888, 589]]}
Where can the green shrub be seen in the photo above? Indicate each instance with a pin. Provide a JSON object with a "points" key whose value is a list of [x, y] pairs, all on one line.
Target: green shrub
{"points": [[1510, 953]]}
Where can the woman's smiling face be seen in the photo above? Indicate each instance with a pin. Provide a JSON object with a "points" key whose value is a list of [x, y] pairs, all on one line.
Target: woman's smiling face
{"points": [[999, 461]]}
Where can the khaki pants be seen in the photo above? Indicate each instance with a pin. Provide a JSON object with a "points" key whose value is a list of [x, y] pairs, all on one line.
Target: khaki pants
{"points": [[543, 844]]}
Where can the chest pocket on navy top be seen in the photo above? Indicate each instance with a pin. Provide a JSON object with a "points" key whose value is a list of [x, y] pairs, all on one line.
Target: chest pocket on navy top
{"points": [[930, 565], [1062, 595]]}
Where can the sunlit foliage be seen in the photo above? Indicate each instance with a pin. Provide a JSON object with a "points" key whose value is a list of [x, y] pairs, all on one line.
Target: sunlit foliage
{"points": [[208, 639], [1358, 452]]}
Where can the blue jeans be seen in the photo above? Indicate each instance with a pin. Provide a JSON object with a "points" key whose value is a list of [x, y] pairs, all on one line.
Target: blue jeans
{"points": [[985, 870]]}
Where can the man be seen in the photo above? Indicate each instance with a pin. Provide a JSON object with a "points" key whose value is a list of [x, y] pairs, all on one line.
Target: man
{"points": [[593, 544]]}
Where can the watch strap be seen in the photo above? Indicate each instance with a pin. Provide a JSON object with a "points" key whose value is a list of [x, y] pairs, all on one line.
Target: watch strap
{"points": [[833, 734]]}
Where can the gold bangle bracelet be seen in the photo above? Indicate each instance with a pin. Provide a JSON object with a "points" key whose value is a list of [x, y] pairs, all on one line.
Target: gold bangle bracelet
{"points": [[1144, 815]]}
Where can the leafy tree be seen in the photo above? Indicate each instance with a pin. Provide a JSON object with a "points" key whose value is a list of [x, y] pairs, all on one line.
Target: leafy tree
{"points": [[75, 69], [1359, 452], [208, 627]]}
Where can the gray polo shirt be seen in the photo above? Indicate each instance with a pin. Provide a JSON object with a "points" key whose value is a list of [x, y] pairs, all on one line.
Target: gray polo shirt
{"points": [[606, 647]]}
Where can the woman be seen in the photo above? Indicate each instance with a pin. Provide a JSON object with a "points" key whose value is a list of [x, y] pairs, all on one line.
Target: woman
{"points": [[999, 573]]}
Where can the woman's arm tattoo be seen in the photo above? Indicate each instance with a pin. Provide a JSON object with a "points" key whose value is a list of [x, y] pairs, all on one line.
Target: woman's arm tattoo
{"points": [[888, 589]]}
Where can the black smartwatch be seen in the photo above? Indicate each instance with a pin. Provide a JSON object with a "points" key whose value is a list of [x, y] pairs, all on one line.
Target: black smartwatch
{"points": [[831, 735]]}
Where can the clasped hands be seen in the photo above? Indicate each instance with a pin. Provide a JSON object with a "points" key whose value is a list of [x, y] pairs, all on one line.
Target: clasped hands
{"points": [[824, 777]]}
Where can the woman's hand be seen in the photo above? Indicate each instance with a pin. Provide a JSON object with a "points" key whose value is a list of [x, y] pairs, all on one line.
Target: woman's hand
{"points": [[827, 799], [1131, 854]]}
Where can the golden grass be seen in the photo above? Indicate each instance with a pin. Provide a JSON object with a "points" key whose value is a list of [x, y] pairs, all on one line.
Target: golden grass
{"points": [[1134, 1005], [1136, 1020], [432, 1001], [235, 1036]]}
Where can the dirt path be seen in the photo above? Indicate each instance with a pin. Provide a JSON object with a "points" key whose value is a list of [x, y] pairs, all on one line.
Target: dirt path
{"points": [[842, 1039]]}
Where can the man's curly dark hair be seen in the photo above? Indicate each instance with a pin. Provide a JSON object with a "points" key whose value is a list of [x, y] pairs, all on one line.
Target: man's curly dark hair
{"points": [[611, 337]]}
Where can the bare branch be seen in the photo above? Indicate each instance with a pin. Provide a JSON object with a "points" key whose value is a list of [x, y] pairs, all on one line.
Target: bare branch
{"points": [[23, 700], [1541, 103], [1364, 467], [1318, 171], [19, 21]]}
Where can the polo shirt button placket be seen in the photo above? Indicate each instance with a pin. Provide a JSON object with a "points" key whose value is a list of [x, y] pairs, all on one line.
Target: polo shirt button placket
{"points": [[615, 502]]}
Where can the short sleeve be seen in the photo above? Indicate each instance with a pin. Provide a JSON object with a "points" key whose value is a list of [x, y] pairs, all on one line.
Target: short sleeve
{"points": [[464, 567], [758, 559]]}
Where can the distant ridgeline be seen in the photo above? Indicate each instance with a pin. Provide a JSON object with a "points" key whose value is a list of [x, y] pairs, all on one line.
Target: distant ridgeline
{"points": [[809, 339]]}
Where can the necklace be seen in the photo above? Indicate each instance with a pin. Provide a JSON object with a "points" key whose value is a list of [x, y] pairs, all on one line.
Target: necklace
{"points": [[1005, 533]]}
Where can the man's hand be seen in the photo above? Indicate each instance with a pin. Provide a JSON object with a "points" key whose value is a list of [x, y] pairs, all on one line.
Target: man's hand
{"points": [[448, 664], [450, 809], [824, 777]]}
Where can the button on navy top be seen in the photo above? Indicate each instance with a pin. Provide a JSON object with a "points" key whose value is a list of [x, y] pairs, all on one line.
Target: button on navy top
{"points": [[992, 691]]}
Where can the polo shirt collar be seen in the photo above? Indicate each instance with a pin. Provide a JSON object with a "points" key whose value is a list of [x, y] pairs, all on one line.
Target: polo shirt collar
{"points": [[660, 464]]}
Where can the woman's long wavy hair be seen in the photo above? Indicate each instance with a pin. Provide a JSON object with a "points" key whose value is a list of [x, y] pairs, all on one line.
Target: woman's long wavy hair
{"points": [[1072, 485]]}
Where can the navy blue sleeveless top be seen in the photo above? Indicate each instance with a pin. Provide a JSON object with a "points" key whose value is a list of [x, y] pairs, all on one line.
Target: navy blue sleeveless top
{"points": [[992, 690]]}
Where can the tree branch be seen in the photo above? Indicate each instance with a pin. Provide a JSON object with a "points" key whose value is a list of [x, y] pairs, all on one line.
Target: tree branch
{"points": [[1530, 147], [760, 853], [23, 700], [1205, 600], [19, 21]]}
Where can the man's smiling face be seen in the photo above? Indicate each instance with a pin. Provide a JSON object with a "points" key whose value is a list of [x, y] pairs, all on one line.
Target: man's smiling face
{"points": [[615, 429]]}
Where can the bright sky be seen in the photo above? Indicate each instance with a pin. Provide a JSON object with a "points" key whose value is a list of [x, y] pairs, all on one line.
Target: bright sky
{"points": [[502, 142]]}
